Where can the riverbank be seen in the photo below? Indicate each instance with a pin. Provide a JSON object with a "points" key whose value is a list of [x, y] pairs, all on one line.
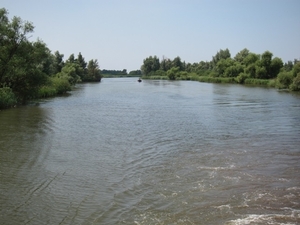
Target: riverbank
{"points": [[223, 80]]}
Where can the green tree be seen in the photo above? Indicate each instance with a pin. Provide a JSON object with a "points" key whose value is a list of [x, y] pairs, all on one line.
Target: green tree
{"points": [[71, 59], [94, 72], [251, 58], [151, 64], [240, 56], [177, 63], [82, 66], [275, 67], [222, 54], [265, 61], [173, 73], [284, 79], [234, 70], [58, 62], [70, 73], [165, 64], [296, 69], [21, 61], [222, 65]]}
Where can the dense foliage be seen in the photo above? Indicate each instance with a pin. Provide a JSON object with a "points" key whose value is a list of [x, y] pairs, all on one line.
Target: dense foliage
{"points": [[114, 72], [29, 70], [244, 68]]}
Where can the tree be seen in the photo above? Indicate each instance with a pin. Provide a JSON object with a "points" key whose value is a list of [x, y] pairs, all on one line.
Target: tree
{"points": [[222, 65], [94, 72], [177, 63], [70, 72], [81, 66], [240, 56], [165, 64], [296, 69], [21, 61], [251, 58], [266, 59], [80, 60], [275, 67], [58, 62], [173, 73], [222, 54], [151, 64], [71, 59]]}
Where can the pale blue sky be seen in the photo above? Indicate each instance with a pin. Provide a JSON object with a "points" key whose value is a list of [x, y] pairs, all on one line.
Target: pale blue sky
{"points": [[121, 33]]}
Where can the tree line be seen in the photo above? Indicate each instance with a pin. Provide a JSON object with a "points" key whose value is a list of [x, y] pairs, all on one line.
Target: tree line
{"points": [[245, 67], [29, 70]]}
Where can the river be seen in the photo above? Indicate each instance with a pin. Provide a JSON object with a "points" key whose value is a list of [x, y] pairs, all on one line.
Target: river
{"points": [[155, 152]]}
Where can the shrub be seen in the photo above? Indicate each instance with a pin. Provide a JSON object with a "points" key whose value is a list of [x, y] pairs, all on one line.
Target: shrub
{"points": [[295, 86], [61, 85], [284, 80], [241, 78], [7, 98], [47, 91]]}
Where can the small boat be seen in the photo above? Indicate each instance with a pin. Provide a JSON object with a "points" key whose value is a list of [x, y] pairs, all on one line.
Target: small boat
{"points": [[139, 80]]}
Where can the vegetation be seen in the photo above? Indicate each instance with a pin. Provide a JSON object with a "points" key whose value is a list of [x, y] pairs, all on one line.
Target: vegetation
{"points": [[121, 73], [244, 68], [29, 70]]}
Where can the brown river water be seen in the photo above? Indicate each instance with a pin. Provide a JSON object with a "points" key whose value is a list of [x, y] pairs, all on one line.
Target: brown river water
{"points": [[155, 152]]}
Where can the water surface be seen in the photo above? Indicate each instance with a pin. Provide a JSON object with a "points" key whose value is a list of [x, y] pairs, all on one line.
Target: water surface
{"points": [[156, 152]]}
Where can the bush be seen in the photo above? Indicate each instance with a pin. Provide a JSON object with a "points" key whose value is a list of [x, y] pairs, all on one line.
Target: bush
{"points": [[47, 91], [61, 85], [7, 98], [284, 80], [295, 86], [241, 78]]}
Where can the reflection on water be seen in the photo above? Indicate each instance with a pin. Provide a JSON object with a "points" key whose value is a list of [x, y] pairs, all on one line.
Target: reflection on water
{"points": [[156, 152]]}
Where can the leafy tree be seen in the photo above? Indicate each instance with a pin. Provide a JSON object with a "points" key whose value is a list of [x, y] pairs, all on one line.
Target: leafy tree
{"points": [[234, 70], [296, 69], [70, 73], [261, 72], [71, 59], [295, 86], [20, 60], [173, 73], [250, 70], [222, 65], [275, 67], [94, 72], [266, 59], [58, 62], [240, 56], [284, 79], [80, 60], [177, 63], [288, 66], [151, 64], [222, 54], [135, 72], [165, 64], [250, 59]]}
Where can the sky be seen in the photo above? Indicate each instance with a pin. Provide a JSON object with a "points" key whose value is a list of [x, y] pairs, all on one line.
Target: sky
{"points": [[120, 34]]}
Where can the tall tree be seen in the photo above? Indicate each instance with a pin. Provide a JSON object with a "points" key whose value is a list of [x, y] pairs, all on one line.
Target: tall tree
{"points": [[222, 54], [151, 64], [58, 62], [241, 55], [20, 60], [94, 72]]}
